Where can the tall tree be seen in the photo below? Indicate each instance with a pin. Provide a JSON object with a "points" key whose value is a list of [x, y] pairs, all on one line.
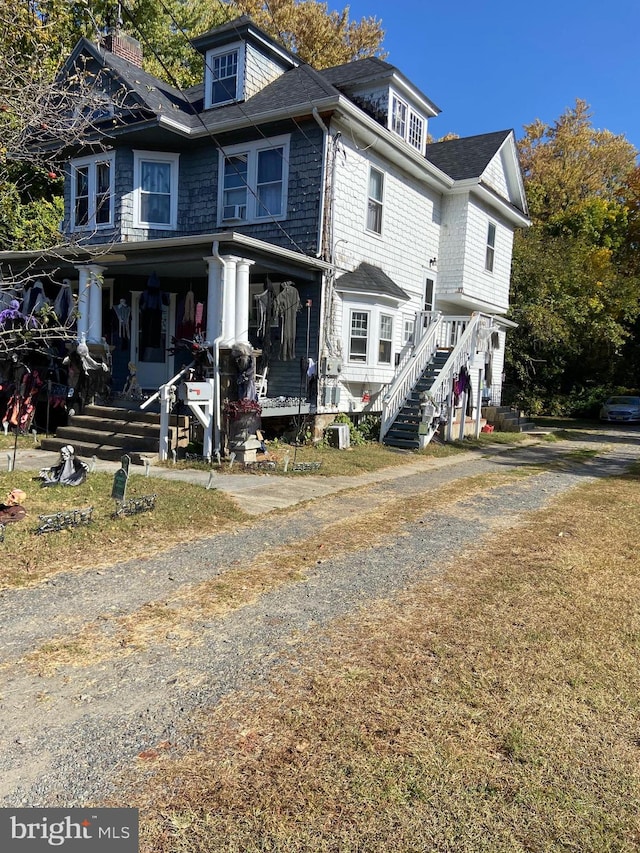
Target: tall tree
{"points": [[573, 296]]}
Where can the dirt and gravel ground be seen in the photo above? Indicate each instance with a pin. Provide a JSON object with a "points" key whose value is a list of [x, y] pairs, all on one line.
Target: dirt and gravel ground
{"points": [[68, 731]]}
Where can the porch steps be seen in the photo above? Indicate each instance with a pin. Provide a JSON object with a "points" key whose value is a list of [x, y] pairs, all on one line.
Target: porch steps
{"points": [[507, 419], [404, 431], [108, 433]]}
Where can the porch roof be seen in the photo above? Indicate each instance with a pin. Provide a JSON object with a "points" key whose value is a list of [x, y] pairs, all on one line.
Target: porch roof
{"points": [[179, 256]]}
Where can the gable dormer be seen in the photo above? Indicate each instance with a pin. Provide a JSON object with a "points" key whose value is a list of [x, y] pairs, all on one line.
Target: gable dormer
{"points": [[240, 59], [388, 96]]}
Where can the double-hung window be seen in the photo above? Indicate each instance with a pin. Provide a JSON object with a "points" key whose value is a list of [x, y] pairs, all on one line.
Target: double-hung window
{"points": [[254, 181], [224, 75], [156, 189], [92, 191], [374, 205], [491, 248], [359, 335], [407, 123], [385, 339]]}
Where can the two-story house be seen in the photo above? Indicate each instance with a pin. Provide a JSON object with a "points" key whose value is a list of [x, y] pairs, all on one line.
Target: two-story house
{"points": [[303, 212]]}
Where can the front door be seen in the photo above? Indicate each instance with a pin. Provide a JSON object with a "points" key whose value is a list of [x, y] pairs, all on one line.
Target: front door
{"points": [[151, 333]]}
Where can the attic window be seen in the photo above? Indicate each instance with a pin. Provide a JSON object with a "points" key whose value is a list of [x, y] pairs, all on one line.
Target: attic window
{"points": [[224, 76], [407, 123]]}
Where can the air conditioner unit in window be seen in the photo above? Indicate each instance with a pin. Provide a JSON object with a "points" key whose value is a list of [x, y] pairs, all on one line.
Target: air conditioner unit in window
{"points": [[234, 212]]}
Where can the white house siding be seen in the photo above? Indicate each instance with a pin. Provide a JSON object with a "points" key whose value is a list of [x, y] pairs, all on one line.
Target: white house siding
{"points": [[410, 237], [490, 288], [259, 71], [495, 176], [453, 235]]}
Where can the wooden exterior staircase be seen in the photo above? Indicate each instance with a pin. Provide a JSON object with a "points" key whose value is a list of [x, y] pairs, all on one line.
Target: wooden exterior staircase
{"points": [[403, 432]]}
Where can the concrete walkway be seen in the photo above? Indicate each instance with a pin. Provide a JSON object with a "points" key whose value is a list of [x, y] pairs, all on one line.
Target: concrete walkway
{"points": [[258, 493], [262, 493]]}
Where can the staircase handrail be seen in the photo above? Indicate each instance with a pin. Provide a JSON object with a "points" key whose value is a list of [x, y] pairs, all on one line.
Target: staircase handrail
{"points": [[409, 373], [172, 381], [459, 355]]}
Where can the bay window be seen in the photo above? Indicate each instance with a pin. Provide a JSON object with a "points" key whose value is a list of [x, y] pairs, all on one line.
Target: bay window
{"points": [[359, 336], [385, 339]]}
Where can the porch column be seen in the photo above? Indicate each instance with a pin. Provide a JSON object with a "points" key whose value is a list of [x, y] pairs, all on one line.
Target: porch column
{"points": [[242, 300], [84, 283], [215, 284], [94, 325], [229, 299]]}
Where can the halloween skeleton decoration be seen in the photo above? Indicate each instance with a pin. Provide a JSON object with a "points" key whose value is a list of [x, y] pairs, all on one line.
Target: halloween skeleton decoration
{"points": [[68, 472], [242, 354]]}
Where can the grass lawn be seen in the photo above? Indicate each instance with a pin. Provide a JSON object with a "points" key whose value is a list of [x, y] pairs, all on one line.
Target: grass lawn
{"points": [[29, 557], [494, 708]]}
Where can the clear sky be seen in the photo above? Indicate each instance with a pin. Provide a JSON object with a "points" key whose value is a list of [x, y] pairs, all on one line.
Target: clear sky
{"points": [[502, 64]]}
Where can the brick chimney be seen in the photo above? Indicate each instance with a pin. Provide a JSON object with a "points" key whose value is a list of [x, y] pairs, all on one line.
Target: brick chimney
{"points": [[124, 46]]}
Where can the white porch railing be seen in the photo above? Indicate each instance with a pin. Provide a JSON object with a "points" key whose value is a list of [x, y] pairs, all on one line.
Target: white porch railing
{"points": [[432, 331], [411, 367], [441, 390]]}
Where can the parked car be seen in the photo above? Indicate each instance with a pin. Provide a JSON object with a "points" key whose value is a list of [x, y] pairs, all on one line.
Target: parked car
{"points": [[621, 409]]}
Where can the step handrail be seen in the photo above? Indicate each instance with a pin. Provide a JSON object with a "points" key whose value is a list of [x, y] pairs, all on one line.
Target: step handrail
{"points": [[459, 356], [410, 372], [172, 381]]}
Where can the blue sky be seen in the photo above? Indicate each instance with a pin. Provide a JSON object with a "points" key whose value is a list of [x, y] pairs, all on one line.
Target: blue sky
{"points": [[498, 65]]}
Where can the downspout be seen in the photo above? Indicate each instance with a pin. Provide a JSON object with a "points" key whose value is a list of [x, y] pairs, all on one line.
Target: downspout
{"points": [[215, 344]]}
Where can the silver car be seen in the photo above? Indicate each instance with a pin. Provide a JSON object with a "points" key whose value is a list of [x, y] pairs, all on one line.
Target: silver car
{"points": [[621, 410]]}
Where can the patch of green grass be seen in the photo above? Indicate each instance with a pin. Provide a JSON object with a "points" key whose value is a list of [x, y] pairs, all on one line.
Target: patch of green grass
{"points": [[182, 512]]}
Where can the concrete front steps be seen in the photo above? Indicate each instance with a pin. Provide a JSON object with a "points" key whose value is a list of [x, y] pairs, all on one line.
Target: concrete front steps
{"points": [[506, 419], [107, 432]]}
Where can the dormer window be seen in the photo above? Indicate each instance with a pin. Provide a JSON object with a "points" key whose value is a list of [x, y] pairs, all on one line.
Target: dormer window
{"points": [[407, 123], [224, 76]]}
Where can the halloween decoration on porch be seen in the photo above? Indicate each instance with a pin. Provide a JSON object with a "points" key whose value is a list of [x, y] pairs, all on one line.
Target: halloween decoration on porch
{"points": [[68, 472], [87, 377], [245, 361], [123, 315], [152, 302], [287, 306], [132, 389]]}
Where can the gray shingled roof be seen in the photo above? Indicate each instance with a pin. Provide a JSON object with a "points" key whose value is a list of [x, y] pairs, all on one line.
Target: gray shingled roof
{"points": [[350, 75], [468, 157], [369, 279], [359, 71]]}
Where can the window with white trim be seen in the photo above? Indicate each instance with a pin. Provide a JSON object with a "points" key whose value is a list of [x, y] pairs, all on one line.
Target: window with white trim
{"points": [[491, 248], [155, 189], [254, 181], [224, 76], [92, 192], [359, 335], [407, 123], [374, 204], [385, 339], [408, 329]]}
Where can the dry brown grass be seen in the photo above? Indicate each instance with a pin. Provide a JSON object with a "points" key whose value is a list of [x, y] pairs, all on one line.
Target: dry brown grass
{"points": [[494, 709]]}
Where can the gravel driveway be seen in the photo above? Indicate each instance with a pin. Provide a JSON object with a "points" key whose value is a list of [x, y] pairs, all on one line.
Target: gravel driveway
{"points": [[65, 738]]}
